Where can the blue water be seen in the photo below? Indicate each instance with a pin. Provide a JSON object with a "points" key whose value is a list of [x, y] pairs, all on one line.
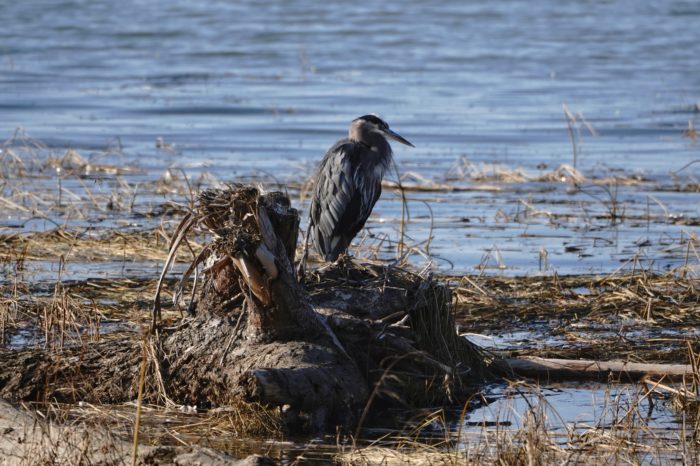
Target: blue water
{"points": [[241, 89]]}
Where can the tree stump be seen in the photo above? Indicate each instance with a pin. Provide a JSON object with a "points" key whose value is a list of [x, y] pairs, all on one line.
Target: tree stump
{"points": [[322, 352]]}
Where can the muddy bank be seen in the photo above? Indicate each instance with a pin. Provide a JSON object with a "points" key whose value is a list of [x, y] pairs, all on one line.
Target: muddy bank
{"points": [[31, 439]]}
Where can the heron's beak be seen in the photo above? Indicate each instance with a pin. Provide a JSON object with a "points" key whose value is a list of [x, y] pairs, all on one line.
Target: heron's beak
{"points": [[397, 137]]}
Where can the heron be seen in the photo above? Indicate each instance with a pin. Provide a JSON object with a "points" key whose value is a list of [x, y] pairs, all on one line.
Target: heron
{"points": [[349, 183]]}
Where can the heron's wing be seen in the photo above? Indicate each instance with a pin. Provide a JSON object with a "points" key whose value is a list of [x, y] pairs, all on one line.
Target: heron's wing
{"points": [[343, 199]]}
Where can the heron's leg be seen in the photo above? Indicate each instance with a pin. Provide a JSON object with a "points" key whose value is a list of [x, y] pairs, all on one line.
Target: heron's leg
{"points": [[301, 269]]}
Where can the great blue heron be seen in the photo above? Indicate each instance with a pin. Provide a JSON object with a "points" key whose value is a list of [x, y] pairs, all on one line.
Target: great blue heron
{"points": [[348, 184]]}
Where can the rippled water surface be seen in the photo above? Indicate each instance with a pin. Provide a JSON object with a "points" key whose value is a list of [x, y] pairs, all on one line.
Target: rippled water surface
{"points": [[239, 89]]}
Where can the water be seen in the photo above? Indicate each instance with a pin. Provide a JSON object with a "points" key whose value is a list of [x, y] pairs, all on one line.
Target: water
{"points": [[572, 407], [243, 89]]}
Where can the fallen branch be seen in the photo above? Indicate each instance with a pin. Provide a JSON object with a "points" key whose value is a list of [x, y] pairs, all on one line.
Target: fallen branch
{"points": [[557, 369]]}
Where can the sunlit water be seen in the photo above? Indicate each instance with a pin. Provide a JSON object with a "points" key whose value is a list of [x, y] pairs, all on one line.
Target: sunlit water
{"points": [[242, 89]]}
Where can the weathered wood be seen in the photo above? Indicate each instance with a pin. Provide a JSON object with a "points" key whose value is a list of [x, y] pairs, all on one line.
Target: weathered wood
{"points": [[285, 222], [557, 369], [277, 350]]}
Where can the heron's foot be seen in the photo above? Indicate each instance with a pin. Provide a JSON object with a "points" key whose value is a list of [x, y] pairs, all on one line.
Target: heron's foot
{"points": [[347, 265], [344, 260]]}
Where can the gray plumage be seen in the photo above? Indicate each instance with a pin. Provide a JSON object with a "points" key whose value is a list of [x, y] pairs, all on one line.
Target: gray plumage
{"points": [[349, 183]]}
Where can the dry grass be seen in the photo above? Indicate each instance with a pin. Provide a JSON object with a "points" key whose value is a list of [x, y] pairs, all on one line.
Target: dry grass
{"points": [[60, 188], [73, 314], [76, 246], [669, 298], [176, 426], [593, 313]]}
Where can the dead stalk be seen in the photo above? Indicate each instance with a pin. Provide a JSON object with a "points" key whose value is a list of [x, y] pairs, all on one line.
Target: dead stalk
{"points": [[139, 402]]}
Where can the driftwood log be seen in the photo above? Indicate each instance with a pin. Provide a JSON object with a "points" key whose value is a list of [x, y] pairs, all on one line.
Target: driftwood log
{"points": [[567, 369]]}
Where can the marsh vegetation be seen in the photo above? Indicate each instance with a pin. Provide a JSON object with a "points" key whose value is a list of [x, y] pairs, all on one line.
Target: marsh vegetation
{"points": [[84, 240]]}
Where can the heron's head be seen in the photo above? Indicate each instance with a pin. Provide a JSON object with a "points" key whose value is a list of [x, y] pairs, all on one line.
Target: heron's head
{"points": [[374, 124]]}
